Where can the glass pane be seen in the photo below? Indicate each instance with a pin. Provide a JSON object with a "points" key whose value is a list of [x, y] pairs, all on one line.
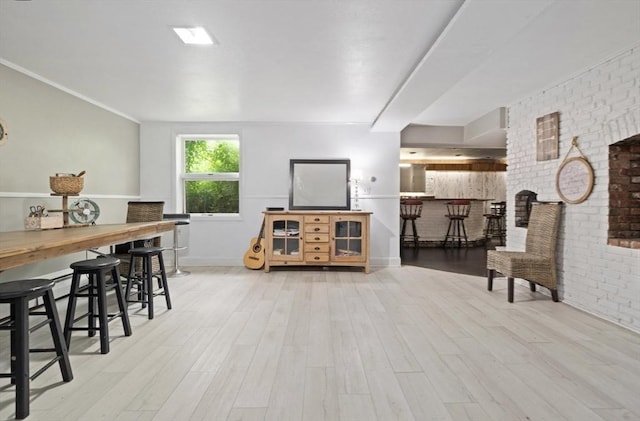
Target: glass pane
{"points": [[355, 247], [342, 229], [355, 229], [205, 196], [286, 228], [212, 156], [348, 247], [279, 246], [293, 246]]}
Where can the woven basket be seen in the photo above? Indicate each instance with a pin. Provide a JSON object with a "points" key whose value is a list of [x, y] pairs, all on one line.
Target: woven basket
{"points": [[66, 185]]}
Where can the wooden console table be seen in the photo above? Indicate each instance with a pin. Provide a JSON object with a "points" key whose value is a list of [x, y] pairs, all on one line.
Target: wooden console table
{"points": [[19, 248], [317, 238]]}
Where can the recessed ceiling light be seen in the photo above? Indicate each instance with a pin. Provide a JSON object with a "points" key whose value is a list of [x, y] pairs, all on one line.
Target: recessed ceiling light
{"points": [[194, 35]]}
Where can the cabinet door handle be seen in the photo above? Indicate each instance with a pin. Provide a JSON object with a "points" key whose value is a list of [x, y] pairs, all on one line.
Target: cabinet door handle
{"points": [[317, 238], [316, 229], [317, 219], [316, 258], [316, 248]]}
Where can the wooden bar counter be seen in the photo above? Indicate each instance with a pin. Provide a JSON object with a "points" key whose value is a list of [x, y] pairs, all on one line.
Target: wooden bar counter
{"points": [[432, 225], [19, 248]]}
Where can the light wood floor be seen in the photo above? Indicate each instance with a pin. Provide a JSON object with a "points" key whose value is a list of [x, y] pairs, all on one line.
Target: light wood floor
{"points": [[403, 343]]}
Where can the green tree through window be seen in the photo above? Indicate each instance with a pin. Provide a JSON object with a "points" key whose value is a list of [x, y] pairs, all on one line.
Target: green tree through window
{"points": [[212, 174]]}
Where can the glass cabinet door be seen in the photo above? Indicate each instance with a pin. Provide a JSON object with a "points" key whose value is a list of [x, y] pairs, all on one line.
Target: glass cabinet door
{"points": [[348, 240], [285, 238]]}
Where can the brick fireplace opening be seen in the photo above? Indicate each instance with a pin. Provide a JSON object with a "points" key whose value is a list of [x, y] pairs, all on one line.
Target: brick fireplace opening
{"points": [[624, 193]]}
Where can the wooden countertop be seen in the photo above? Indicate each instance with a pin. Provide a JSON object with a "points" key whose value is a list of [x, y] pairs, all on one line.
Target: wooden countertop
{"points": [[435, 199], [19, 248]]}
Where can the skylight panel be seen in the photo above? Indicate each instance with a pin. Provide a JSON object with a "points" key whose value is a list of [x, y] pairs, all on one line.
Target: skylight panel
{"points": [[194, 35]]}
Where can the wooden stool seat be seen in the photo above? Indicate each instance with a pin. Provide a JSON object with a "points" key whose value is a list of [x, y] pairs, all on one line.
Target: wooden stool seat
{"points": [[18, 294]]}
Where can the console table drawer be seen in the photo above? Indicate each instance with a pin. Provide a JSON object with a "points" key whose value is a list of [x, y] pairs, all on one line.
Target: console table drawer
{"points": [[316, 248], [316, 219], [316, 228], [316, 257], [316, 238]]}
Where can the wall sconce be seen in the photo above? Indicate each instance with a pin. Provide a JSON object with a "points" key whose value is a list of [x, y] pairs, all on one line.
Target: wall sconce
{"points": [[356, 177]]}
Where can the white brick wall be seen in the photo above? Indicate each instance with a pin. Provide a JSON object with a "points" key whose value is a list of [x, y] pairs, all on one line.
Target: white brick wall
{"points": [[601, 106]]}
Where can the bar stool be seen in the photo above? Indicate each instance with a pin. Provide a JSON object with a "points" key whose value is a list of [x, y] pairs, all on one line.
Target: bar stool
{"points": [[495, 222], [96, 290], [457, 211], [143, 279], [180, 219], [18, 294], [410, 210]]}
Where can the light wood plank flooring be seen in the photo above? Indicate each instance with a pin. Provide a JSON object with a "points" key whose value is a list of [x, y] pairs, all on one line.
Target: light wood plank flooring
{"points": [[404, 343]]}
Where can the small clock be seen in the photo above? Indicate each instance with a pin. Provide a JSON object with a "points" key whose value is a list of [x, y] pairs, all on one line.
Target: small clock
{"points": [[3, 132]]}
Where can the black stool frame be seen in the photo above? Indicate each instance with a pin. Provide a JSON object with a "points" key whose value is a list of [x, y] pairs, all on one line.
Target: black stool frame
{"points": [[18, 324], [96, 290], [143, 279]]}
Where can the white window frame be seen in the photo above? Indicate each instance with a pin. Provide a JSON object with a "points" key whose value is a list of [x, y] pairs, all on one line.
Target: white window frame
{"points": [[183, 176]]}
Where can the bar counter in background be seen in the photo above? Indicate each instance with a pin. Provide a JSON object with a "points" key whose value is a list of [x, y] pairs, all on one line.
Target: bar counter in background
{"points": [[432, 225]]}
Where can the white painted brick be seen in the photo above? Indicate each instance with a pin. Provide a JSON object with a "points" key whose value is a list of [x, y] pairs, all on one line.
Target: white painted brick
{"points": [[600, 106]]}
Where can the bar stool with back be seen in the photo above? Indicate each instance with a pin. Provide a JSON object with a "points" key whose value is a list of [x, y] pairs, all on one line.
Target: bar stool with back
{"points": [[410, 210], [495, 225], [457, 211]]}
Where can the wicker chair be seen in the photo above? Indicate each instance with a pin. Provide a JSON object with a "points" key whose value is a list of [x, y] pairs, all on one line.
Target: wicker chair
{"points": [[537, 264], [140, 212]]}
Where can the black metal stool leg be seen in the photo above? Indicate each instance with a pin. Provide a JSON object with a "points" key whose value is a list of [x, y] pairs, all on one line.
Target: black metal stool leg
{"points": [[71, 308], [102, 313], [148, 284], [446, 237], [120, 298], [415, 234], [20, 356], [165, 284], [91, 289], [58, 338]]}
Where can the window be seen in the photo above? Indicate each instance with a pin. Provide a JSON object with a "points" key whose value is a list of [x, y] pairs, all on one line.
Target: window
{"points": [[211, 174]]}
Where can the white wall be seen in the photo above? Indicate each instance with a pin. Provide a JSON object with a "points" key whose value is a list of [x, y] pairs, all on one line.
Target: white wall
{"points": [[601, 106], [266, 149], [51, 131]]}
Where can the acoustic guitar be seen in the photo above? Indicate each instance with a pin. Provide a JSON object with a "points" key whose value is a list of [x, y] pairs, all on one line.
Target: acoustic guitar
{"points": [[254, 257]]}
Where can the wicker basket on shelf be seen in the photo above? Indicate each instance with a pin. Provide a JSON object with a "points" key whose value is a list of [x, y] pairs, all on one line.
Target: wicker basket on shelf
{"points": [[66, 184]]}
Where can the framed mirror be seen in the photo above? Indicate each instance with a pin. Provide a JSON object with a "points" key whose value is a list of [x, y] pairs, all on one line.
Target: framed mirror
{"points": [[319, 184]]}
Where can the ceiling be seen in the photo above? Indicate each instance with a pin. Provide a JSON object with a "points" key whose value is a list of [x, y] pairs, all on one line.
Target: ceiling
{"points": [[387, 63]]}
